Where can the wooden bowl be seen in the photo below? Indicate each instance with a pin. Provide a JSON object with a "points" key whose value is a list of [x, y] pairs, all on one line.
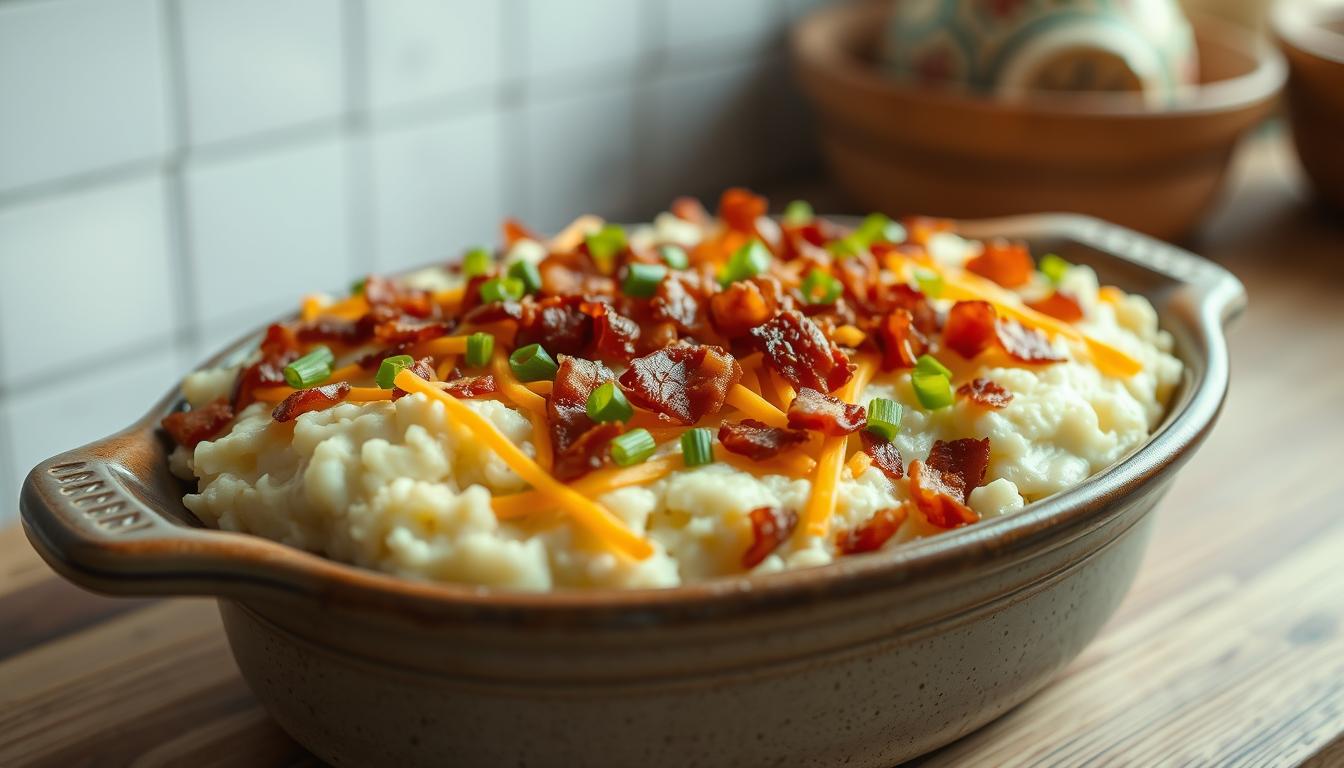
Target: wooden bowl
{"points": [[1312, 37], [901, 149]]}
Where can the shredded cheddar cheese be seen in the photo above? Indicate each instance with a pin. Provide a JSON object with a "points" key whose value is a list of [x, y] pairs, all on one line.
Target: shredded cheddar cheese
{"points": [[820, 507], [593, 484], [791, 463], [784, 392], [569, 238], [756, 407], [858, 463], [444, 345]]}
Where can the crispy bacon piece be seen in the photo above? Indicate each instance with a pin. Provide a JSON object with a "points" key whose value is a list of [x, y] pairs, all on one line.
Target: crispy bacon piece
{"points": [[1026, 345], [684, 382], [986, 393], [678, 301], [823, 413], [279, 348], [971, 328], [557, 323], [573, 274], [885, 455], [873, 532], [614, 334], [742, 306], [189, 428], [770, 527], [468, 387], [689, 209], [901, 296], [494, 312], [313, 399], [796, 347], [920, 228], [566, 409], [515, 231], [941, 485], [1059, 305], [382, 292], [901, 342], [756, 440], [401, 332], [1008, 264], [739, 208], [424, 368]]}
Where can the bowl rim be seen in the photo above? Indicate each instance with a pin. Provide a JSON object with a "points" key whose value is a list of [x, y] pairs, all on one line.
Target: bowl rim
{"points": [[173, 558], [1298, 25], [811, 45]]}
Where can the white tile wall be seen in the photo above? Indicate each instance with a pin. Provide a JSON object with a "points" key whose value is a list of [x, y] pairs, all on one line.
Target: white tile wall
{"points": [[323, 139], [81, 88], [258, 65], [266, 229]]}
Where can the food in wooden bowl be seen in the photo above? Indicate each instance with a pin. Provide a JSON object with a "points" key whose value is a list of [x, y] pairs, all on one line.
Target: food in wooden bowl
{"points": [[678, 623], [1312, 36], [899, 147]]}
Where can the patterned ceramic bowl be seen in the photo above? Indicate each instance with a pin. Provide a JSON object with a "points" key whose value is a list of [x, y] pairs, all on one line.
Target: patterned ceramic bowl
{"points": [[1011, 47]]}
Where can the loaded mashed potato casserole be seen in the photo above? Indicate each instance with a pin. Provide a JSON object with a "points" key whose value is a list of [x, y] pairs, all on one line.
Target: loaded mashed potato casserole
{"points": [[703, 396]]}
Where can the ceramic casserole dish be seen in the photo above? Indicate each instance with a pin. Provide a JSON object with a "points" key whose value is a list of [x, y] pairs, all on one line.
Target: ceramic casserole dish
{"points": [[865, 662]]}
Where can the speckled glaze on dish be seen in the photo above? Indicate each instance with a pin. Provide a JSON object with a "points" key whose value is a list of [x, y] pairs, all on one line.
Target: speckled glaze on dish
{"points": [[866, 662]]}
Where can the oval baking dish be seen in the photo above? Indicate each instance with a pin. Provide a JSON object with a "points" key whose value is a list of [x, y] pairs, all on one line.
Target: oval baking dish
{"points": [[865, 662]]}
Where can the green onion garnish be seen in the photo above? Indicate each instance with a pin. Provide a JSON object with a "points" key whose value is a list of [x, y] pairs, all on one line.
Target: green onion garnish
{"points": [[502, 289], [884, 417], [821, 287], [930, 283], [310, 369], [390, 367], [357, 287], [604, 245], [877, 228], [477, 262], [928, 364], [641, 280], [632, 447], [608, 403], [697, 446], [748, 261], [527, 273], [1053, 267], [934, 390], [674, 256], [532, 363], [798, 212], [480, 346], [849, 245]]}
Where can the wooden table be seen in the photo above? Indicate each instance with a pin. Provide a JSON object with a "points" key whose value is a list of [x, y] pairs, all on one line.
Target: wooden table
{"points": [[1228, 651]]}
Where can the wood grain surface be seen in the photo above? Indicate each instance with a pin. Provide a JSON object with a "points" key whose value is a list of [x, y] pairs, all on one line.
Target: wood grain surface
{"points": [[1229, 651]]}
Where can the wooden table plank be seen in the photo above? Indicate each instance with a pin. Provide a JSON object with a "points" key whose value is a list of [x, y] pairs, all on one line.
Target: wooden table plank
{"points": [[1229, 650]]}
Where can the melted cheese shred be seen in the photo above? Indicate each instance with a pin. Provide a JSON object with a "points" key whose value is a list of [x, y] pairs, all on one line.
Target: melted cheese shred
{"points": [[591, 516], [820, 505], [756, 407], [517, 505], [529, 401]]}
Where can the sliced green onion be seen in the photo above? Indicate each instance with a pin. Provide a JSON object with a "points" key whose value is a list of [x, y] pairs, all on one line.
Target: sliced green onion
{"points": [[641, 280], [697, 447], [608, 403], [674, 256], [928, 364], [821, 287], [884, 417], [477, 262], [748, 261], [633, 447], [930, 283], [532, 363], [933, 390], [847, 246], [798, 212], [502, 289], [390, 367], [480, 346], [312, 368], [877, 228], [1054, 267], [357, 287], [527, 273], [604, 245]]}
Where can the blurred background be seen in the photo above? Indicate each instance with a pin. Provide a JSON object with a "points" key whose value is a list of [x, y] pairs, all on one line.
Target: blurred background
{"points": [[175, 172]]}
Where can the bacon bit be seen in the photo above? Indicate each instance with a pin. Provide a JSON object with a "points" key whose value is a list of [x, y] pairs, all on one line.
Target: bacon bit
{"points": [[279, 348], [912, 300], [823, 413], [424, 368], [966, 459], [314, 399], [586, 453], [190, 428], [739, 209], [985, 393], [557, 323], [1059, 305], [468, 387], [684, 382], [885, 455], [398, 332], [614, 334], [1008, 264], [742, 306], [873, 532], [796, 347], [515, 231], [770, 527], [933, 494], [677, 301], [572, 274], [756, 440], [689, 209], [1026, 345], [970, 327], [901, 343], [382, 292], [566, 409], [920, 228]]}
